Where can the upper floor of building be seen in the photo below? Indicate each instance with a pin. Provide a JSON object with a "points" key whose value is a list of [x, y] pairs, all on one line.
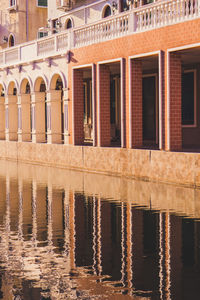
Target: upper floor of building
{"points": [[19, 21]]}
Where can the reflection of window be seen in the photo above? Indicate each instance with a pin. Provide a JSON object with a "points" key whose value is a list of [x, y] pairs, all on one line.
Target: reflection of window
{"points": [[42, 3], [189, 98]]}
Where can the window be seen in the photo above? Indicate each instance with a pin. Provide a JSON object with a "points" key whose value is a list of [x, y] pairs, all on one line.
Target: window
{"points": [[107, 12], [42, 3], [11, 42], [12, 2], [42, 34], [189, 98], [68, 24]]}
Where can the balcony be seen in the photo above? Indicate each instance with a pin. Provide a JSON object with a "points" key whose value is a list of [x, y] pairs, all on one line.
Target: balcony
{"points": [[65, 5], [148, 17]]}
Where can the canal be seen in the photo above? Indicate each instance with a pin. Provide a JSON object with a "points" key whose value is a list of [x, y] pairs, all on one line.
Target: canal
{"points": [[74, 235]]}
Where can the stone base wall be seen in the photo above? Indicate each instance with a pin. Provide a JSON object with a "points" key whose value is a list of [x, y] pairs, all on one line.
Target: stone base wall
{"points": [[149, 165]]}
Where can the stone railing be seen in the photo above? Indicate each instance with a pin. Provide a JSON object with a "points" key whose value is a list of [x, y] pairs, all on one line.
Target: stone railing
{"points": [[166, 12], [106, 29], [34, 50], [147, 17]]}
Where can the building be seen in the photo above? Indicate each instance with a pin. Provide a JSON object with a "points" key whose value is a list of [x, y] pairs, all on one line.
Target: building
{"points": [[121, 74]]}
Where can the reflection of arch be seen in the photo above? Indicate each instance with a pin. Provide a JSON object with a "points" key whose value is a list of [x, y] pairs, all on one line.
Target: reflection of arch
{"points": [[40, 80], [23, 85], [69, 23], [106, 12], [13, 87], [11, 40], [54, 78]]}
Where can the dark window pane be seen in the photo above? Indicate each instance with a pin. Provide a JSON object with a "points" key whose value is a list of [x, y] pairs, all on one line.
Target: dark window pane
{"points": [[188, 98], [42, 2]]}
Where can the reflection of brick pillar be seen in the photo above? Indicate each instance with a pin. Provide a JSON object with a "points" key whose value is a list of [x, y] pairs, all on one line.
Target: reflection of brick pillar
{"points": [[175, 129], [78, 101], [104, 106], [136, 103]]}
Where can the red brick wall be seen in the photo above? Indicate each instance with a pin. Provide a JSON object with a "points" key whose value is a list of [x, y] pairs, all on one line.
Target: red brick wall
{"points": [[136, 100], [175, 102], [78, 102], [153, 40], [104, 105]]}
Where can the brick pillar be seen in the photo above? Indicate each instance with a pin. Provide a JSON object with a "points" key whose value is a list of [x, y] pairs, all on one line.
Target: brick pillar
{"points": [[136, 103], [174, 128], [162, 100], [78, 105], [104, 106]]}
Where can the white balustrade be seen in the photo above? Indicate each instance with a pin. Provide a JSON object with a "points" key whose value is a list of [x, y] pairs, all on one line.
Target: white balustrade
{"points": [[104, 30], [62, 41], [1, 58], [11, 55], [165, 12], [46, 46]]}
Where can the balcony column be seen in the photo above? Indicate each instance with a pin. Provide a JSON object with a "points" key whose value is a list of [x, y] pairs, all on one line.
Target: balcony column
{"points": [[19, 107], [38, 117], [173, 109], [11, 117], [2, 118], [66, 116], [26, 117], [54, 133]]}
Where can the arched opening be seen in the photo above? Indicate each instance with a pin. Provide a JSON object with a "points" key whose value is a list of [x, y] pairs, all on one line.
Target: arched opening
{"points": [[11, 41], [26, 111], [107, 11], [68, 24], [57, 109], [2, 113], [13, 116], [41, 114]]}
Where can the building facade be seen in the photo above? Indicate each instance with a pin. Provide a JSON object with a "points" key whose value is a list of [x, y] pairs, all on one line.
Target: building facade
{"points": [[106, 74]]}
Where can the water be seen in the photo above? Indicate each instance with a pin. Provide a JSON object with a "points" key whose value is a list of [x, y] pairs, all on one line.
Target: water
{"points": [[69, 235]]}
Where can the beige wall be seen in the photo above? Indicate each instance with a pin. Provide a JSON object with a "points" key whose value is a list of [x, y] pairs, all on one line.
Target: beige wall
{"points": [[15, 21]]}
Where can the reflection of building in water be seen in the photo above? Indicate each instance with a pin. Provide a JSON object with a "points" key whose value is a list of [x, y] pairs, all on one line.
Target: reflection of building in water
{"points": [[67, 243]]}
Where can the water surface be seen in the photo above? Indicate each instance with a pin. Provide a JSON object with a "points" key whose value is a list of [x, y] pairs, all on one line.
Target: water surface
{"points": [[69, 235]]}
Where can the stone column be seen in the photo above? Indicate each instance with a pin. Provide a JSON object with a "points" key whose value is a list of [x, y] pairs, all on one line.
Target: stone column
{"points": [[26, 117], [136, 104], [66, 116], [54, 134], [2, 118], [19, 107], [11, 118], [38, 117]]}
